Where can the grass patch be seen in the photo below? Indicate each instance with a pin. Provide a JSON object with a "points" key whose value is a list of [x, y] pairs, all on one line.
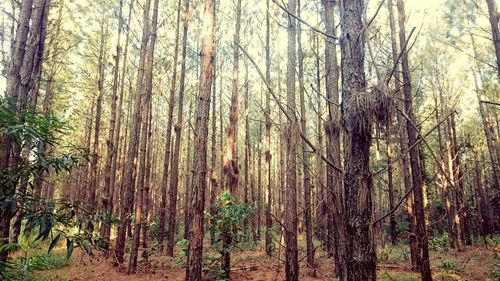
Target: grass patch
{"points": [[22, 268]]}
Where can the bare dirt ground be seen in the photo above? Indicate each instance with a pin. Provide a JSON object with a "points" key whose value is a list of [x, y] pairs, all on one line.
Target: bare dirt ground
{"points": [[476, 263]]}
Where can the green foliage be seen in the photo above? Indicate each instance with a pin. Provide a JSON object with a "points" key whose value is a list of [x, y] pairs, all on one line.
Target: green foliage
{"points": [[22, 268], [393, 254], [440, 242], [227, 222], [451, 266]]}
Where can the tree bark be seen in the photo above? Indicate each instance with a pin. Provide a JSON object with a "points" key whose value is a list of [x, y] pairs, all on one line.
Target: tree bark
{"points": [[292, 130], [359, 261], [195, 248], [128, 181], [416, 171], [174, 171]]}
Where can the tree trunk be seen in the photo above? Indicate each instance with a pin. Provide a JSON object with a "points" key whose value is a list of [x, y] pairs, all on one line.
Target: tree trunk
{"points": [[174, 171], [292, 130], [111, 142], [494, 18], [168, 138], [231, 168], [416, 172], [128, 181], [195, 248], [269, 190], [403, 143], [305, 155], [359, 261], [94, 179], [142, 174]]}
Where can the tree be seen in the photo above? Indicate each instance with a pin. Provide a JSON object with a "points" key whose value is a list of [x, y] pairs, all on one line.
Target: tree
{"points": [[359, 261], [416, 172], [174, 171], [292, 130], [128, 182], [195, 247]]}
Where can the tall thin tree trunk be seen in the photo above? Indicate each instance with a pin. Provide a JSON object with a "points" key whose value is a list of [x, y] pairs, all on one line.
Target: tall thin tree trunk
{"points": [[195, 248], [494, 17], [174, 171], [305, 155], [94, 179], [111, 154], [231, 166], [142, 185], [416, 170], [291, 132], [128, 181], [269, 190], [334, 193], [168, 138], [403, 142]]}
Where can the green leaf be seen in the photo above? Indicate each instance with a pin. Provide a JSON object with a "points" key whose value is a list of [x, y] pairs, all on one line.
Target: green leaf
{"points": [[69, 247], [54, 242]]}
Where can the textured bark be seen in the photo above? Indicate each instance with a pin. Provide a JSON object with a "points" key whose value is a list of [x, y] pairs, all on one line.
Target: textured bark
{"points": [[195, 248], [128, 181], [168, 138], [416, 171], [174, 171], [359, 261], [403, 142], [9, 150], [28, 89], [292, 130]]}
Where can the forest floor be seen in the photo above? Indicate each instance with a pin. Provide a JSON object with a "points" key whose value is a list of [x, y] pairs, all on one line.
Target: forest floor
{"points": [[475, 263]]}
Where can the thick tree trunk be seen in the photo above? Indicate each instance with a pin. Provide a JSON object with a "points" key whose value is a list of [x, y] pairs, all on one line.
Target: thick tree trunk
{"points": [[174, 171], [195, 248], [359, 261]]}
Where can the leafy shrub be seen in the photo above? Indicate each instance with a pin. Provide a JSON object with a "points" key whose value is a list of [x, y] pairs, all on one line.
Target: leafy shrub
{"points": [[451, 266], [440, 242]]}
